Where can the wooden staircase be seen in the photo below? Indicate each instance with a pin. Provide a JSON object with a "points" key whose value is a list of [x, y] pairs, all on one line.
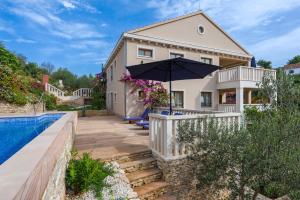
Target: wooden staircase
{"points": [[145, 177]]}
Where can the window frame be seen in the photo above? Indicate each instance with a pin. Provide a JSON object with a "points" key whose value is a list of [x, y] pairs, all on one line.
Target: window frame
{"points": [[140, 98], [176, 52], [111, 72], [212, 62], [145, 48], [200, 33], [173, 98], [212, 98]]}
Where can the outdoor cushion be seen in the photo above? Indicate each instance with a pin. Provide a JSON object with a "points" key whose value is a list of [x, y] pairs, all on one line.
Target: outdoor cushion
{"points": [[142, 123], [178, 114], [164, 112], [142, 117]]}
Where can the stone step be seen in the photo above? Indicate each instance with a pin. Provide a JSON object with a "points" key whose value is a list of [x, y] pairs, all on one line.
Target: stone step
{"points": [[136, 165], [152, 190], [128, 157], [139, 178]]}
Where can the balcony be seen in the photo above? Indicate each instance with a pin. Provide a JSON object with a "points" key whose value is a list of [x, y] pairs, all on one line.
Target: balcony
{"points": [[242, 76]]}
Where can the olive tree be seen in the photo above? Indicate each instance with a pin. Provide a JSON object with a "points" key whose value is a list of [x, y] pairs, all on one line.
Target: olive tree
{"points": [[260, 156]]}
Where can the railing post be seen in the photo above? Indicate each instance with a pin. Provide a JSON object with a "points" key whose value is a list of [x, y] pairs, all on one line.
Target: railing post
{"points": [[167, 137]]}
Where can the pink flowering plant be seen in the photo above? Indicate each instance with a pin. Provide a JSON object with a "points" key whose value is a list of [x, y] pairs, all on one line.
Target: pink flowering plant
{"points": [[154, 92]]}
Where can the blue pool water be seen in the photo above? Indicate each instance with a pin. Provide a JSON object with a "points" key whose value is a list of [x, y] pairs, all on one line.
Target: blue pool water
{"points": [[16, 132]]}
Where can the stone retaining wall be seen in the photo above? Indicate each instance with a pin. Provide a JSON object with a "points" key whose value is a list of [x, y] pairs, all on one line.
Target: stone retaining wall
{"points": [[56, 188], [90, 113], [6, 108], [179, 174]]}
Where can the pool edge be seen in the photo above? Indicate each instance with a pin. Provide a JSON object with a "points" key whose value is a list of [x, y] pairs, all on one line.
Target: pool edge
{"points": [[26, 174]]}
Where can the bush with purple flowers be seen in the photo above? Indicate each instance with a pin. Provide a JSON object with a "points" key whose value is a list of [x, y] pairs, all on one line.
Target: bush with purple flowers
{"points": [[154, 92]]}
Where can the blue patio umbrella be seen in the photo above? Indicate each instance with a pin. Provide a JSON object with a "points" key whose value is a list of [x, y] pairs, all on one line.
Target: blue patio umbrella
{"points": [[171, 70], [253, 62]]}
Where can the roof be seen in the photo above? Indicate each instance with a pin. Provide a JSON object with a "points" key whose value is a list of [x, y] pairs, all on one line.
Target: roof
{"points": [[292, 66], [183, 17], [131, 33]]}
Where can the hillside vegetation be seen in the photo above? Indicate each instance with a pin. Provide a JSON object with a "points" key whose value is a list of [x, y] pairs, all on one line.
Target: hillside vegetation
{"points": [[21, 81]]}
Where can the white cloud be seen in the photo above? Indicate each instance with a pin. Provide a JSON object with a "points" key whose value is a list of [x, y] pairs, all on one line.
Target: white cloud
{"points": [[23, 40], [67, 4], [234, 14], [43, 13], [279, 49], [78, 4], [29, 14], [88, 44], [5, 27]]}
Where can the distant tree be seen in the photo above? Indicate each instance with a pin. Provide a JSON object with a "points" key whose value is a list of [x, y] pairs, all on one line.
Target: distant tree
{"points": [[85, 81], [48, 66], [32, 69], [265, 64], [294, 60], [22, 59], [68, 78]]}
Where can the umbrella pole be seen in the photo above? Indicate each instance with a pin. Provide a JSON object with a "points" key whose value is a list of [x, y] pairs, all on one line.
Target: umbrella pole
{"points": [[170, 85]]}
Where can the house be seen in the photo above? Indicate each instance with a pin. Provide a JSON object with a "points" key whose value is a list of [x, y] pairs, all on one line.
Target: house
{"points": [[292, 68], [192, 36]]}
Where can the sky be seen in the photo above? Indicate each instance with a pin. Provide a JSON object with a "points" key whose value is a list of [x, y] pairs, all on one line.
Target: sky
{"points": [[80, 34]]}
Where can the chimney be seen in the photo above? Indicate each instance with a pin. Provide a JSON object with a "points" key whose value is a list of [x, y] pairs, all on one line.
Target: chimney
{"points": [[45, 79]]}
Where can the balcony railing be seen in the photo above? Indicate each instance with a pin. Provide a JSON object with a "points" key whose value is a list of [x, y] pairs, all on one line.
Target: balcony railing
{"points": [[243, 73], [83, 92], [54, 90], [163, 131]]}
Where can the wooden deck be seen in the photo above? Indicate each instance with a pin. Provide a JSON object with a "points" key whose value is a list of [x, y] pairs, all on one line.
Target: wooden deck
{"points": [[107, 137]]}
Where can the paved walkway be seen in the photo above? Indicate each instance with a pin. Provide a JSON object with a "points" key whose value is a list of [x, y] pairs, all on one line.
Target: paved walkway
{"points": [[106, 137]]}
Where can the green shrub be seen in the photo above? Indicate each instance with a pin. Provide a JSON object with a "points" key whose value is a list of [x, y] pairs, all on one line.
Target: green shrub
{"points": [[65, 108], [85, 174], [50, 101]]}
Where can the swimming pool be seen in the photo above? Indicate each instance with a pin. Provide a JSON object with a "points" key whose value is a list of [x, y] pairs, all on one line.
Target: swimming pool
{"points": [[16, 132]]}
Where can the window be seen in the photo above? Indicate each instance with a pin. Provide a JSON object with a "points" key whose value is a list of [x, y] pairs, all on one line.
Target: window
{"points": [[176, 55], [111, 73], [177, 99], [200, 29], [115, 97], [207, 61], [206, 99], [115, 64], [148, 53], [291, 71], [141, 95]]}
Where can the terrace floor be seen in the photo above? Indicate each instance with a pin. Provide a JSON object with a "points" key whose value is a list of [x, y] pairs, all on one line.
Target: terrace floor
{"points": [[108, 137]]}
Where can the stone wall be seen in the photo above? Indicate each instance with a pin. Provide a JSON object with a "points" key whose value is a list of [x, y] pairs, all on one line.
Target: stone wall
{"points": [[56, 188], [179, 174], [6, 108], [90, 113]]}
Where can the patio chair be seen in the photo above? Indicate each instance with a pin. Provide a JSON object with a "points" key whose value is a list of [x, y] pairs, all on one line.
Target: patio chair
{"points": [[144, 116], [142, 123]]}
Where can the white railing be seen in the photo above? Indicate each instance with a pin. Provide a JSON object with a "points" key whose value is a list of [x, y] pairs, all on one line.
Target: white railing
{"points": [[83, 92], [54, 90], [163, 131], [183, 111], [243, 73], [227, 107]]}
